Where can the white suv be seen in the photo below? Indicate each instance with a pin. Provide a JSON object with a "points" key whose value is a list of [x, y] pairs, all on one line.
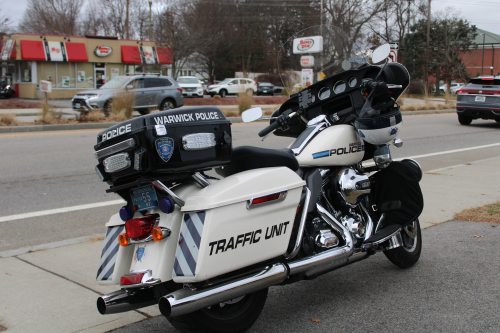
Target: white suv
{"points": [[190, 85], [233, 87]]}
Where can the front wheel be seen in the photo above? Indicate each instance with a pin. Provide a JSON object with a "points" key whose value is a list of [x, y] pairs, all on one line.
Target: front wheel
{"points": [[464, 120], [233, 316], [108, 108], [408, 254], [222, 93]]}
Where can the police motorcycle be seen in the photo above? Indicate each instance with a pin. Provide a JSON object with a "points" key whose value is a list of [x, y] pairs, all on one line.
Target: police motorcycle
{"points": [[206, 247]]}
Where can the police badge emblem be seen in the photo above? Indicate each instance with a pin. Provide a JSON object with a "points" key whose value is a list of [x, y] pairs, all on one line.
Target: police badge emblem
{"points": [[165, 148]]}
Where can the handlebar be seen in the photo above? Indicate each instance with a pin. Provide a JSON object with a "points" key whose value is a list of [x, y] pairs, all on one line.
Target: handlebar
{"points": [[269, 129]]}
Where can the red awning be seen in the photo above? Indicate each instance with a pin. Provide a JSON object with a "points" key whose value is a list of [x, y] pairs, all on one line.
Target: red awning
{"points": [[164, 55], [76, 52], [131, 55], [33, 50]]}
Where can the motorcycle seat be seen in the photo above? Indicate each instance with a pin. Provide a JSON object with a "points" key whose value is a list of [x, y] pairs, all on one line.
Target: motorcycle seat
{"points": [[247, 158]]}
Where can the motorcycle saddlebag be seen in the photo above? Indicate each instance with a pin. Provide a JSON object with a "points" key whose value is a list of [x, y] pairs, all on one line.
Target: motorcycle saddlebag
{"points": [[162, 143], [397, 186], [239, 221]]}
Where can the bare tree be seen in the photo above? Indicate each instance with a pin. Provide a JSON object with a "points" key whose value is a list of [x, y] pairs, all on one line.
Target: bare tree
{"points": [[51, 17]]}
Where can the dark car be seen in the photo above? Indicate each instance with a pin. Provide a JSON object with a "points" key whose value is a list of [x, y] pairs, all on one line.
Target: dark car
{"points": [[479, 99], [6, 88], [278, 90], [265, 88]]}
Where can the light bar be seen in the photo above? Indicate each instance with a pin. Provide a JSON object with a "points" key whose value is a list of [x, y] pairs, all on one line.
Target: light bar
{"points": [[117, 162], [198, 141], [114, 148]]}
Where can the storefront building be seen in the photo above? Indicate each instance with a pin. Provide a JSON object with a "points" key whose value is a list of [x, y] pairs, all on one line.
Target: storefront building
{"points": [[73, 64]]}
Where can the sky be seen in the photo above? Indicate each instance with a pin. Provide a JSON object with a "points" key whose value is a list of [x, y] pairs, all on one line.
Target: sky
{"points": [[483, 13]]}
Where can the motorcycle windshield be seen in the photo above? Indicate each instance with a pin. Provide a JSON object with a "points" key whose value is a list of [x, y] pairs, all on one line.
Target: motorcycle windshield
{"points": [[318, 52]]}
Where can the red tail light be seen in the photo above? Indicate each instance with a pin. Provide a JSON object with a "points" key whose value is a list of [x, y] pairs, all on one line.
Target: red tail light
{"points": [[255, 83], [274, 197], [180, 89], [140, 228], [131, 278]]}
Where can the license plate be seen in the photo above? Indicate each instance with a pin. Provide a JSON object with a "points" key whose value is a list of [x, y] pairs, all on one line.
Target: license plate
{"points": [[265, 91], [480, 98], [77, 105], [189, 94], [144, 197]]}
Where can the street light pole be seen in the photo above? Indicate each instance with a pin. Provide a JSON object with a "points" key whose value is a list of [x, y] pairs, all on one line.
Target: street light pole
{"points": [[150, 23], [426, 88]]}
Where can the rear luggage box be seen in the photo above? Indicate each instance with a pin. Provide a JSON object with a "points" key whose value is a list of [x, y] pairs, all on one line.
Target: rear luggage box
{"points": [[236, 222], [170, 142]]}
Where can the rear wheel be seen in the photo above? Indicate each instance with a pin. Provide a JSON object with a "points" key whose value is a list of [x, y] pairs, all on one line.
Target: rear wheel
{"points": [[407, 254], [233, 316], [464, 120], [167, 104]]}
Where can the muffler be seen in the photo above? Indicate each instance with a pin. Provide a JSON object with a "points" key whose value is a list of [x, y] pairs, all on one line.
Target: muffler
{"points": [[123, 301], [185, 301]]}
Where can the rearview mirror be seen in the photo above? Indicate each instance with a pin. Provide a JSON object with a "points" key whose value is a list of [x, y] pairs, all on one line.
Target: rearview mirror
{"points": [[251, 114], [130, 87], [381, 53]]}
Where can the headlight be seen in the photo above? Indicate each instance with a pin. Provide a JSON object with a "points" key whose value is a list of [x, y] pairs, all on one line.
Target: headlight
{"points": [[117, 162], [93, 96], [8, 86]]}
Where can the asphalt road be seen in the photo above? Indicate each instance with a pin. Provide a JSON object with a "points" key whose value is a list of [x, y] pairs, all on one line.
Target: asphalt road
{"points": [[43, 171], [454, 287]]}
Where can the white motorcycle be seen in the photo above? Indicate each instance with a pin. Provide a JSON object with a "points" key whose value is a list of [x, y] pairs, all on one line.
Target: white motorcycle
{"points": [[206, 250]]}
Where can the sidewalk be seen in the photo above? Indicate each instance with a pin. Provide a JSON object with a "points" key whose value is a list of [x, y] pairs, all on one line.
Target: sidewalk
{"points": [[54, 290]]}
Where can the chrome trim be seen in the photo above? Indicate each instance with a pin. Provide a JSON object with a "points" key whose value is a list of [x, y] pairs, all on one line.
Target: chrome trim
{"points": [[146, 281], [129, 143], [302, 224], [398, 143], [327, 260], [123, 301], [282, 196], [370, 245], [200, 180], [184, 301], [369, 222], [318, 128], [316, 120], [166, 232], [394, 242], [159, 185]]}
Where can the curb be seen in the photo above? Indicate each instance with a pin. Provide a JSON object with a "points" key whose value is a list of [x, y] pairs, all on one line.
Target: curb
{"points": [[67, 127]]}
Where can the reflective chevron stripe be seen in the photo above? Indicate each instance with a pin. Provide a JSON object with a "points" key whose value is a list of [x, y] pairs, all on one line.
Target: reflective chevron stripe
{"points": [[188, 247], [109, 253]]}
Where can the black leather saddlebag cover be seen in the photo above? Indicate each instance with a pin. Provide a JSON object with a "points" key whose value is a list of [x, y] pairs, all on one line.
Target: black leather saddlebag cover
{"points": [[398, 182]]}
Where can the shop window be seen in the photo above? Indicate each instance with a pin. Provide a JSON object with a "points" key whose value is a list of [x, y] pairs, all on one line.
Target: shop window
{"points": [[112, 71], [85, 75], [25, 71], [47, 71], [66, 75]]}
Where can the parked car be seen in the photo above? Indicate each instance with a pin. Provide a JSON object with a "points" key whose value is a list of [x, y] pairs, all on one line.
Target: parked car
{"points": [[278, 90], [6, 88], [265, 88], [233, 87], [151, 92], [479, 99], [207, 85], [191, 86], [454, 88]]}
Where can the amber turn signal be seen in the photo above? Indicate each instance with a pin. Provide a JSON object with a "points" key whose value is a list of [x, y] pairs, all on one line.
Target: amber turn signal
{"points": [[123, 240], [157, 234]]}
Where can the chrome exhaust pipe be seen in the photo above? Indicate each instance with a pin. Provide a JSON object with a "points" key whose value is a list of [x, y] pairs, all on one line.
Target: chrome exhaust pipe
{"points": [[185, 301], [327, 260], [123, 301]]}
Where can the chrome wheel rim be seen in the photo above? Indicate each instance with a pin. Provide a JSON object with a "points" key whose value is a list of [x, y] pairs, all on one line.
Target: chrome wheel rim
{"points": [[410, 236], [168, 106]]}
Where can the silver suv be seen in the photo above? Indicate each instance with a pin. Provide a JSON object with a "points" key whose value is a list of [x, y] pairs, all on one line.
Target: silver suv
{"points": [[151, 92]]}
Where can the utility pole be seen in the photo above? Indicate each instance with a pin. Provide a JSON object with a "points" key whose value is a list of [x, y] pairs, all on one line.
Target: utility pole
{"points": [[426, 88], [127, 36], [482, 64], [150, 23]]}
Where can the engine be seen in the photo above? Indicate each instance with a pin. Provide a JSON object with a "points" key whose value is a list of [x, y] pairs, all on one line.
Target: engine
{"points": [[351, 187]]}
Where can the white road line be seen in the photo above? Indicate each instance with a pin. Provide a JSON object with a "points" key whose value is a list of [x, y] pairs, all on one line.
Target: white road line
{"points": [[116, 202], [60, 210]]}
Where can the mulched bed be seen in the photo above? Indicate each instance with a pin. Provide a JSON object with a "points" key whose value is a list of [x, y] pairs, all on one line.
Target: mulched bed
{"points": [[234, 101], [15, 104]]}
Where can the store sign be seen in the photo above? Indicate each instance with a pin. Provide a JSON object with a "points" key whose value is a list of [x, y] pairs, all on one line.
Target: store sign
{"points": [[55, 51], [103, 51], [149, 55], [45, 86], [307, 61], [8, 46], [312, 44], [307, 75]]}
